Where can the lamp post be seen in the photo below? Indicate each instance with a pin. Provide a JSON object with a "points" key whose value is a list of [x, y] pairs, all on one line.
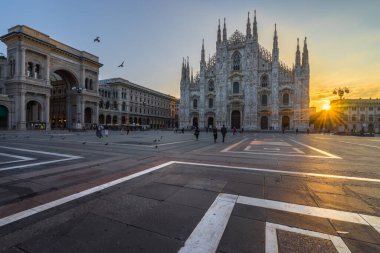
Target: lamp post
{"points": [[79, 91], [340, 91]]}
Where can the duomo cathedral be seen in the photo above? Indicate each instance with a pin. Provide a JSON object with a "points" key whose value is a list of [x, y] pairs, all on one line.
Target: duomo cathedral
{"points": [[243, 85]]}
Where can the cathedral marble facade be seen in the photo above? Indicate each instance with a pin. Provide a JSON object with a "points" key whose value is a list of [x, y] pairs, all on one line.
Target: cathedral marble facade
{"points": [[243, 85]]}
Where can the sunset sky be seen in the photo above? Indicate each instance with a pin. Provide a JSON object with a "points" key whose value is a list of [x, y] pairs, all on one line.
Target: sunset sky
{"points": [[152, 36]]}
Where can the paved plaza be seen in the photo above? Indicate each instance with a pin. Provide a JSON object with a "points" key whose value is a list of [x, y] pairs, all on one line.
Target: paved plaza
{"points": [[160, 191]]}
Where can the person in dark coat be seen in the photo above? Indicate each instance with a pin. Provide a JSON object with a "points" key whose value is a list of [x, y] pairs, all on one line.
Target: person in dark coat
{"points": [[224, 132], [215, 133], [196, 132]]}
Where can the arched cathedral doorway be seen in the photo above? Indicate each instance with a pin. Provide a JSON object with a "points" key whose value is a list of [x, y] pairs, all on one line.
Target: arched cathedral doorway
{"points": [[264, 123], [3, 117], [235, 119], [285, 122]]}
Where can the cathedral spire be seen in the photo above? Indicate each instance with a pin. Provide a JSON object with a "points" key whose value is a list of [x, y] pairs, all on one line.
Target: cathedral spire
{"points": [[255, 27], [249, 34], [298, 54], [192, 77], [275, 50], [225, 32], [187, 69], [203, 51], [275, 38], [219, 39], [305, 56]]}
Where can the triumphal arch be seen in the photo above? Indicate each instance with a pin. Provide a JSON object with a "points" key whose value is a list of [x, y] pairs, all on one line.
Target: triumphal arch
{"points": [[47, 84]]}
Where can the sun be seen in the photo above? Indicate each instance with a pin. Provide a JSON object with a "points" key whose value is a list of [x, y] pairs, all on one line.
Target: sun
{"points": [[326, 107]]}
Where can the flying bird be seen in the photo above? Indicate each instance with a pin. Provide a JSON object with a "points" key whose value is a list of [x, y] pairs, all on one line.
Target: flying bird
{"points": [[97, 39], [121, 65]]}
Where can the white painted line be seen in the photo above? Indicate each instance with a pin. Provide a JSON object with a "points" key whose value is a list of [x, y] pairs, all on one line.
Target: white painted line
{"points": [[268, 151], [316, 149], [67, 158], [20, 158], [40, 152], [305, 210], [39, 163], [271, 244], [373, 221], [298, 151], [272, 149], [302, 174], [252, 152], [233, 145], [23, 214], [206, 236], [271, 143], [364, 145]]}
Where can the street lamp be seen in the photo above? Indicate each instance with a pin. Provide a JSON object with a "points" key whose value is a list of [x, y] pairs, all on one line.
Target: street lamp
{"points": [[340, 91], [79, 91]]}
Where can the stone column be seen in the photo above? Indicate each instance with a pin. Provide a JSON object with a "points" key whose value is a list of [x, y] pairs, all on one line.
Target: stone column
{"points": [[82, 107], [47, 69], [47, 112], [22, 62], [96, 116], [82, 77], [22, 111]]}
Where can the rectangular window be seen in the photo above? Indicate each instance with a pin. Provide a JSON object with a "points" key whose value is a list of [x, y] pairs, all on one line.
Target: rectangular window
{"points": [[370, 108], [362, 108], [353, 118], [353, 108]]}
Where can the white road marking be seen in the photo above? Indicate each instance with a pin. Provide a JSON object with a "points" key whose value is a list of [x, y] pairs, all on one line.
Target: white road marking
{"points": [[233, 145], [132, 145], [271, 244], [302, 174], [20, 158], [206, 236], [67, 158], [272, 143], [298, 151], [316, 149], [306, 210], [267, 151], [365, 145], [23, 214]]}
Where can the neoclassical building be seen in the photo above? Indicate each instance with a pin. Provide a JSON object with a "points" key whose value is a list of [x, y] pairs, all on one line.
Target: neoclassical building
{"points": [[43, 80], [244, 85], [126, 103], [357, 114], [45, 83]]}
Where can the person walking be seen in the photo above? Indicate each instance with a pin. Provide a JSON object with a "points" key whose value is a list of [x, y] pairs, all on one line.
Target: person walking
{"points": [[296, 130], [224, 132], [234, 130], [215, 133], [196, 132]]}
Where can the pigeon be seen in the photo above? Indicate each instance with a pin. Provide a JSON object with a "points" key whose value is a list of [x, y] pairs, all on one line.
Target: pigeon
{"points": [[121, 65], [106, 143], [97, 39], [155, 140], [83, 142], [156, 146]]}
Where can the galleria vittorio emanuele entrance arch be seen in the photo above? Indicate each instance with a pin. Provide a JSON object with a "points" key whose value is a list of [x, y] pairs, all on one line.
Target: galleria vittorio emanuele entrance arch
{"points": [[49, 84]]}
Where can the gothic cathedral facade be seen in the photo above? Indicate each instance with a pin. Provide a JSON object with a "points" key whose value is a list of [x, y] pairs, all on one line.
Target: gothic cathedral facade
{"points": [[243, 85]]}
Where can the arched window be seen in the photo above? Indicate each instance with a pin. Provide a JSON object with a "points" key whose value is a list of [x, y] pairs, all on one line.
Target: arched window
{"points": [[30, 69], [37, 71], [195, 104], [235, 88], [115, 105], [264, 81], [264, 100], [86, 83], [211, 85], [101, 104], [236, 61], [90, 84], [362, 117], [285, 99], [124, 106], [210, 103], [107, 105]]}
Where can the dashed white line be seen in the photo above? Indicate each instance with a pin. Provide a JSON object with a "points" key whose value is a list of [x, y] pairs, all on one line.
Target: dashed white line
{"points": [[20, 158]]}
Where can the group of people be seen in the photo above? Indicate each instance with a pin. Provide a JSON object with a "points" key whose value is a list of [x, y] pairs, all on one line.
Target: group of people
{"points": [[223, 130], [100, 131]]}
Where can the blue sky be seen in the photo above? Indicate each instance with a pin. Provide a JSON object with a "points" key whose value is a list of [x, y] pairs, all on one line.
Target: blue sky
{"points": [[153, 36]]}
